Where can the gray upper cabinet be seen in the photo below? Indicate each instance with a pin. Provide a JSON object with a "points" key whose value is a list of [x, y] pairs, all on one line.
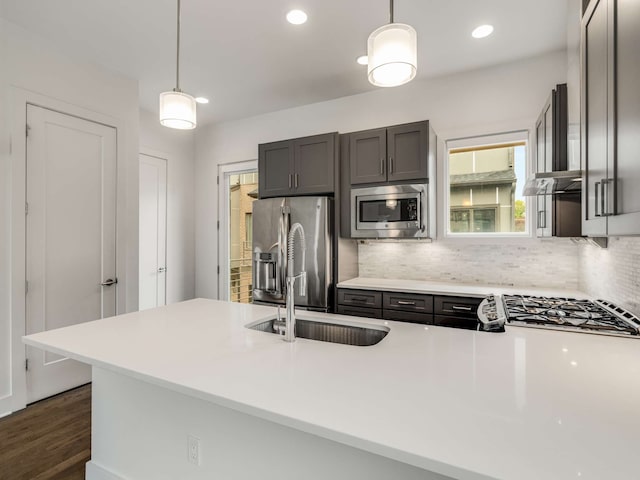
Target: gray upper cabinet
{"points": [[557, 215], [407, 151], [275, 165], [302, 166], [393, 154], [626, 184], [368, 156], [610, 118]]}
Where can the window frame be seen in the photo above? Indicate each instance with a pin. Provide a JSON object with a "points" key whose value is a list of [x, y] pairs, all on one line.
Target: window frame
{"points": [[480, 141]]}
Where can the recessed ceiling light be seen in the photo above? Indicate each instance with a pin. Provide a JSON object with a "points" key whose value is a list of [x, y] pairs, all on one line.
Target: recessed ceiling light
{"points": [[202, 100], [482, 31], [363, 60], [296, 17]]}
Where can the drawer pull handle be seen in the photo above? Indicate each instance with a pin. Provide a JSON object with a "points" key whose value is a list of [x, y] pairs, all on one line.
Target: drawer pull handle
{"points": [[463, 308], [403, 302], [358, 299]]}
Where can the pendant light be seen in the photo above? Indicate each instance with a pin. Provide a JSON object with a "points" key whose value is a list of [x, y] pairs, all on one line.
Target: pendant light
{"points": [[177, 109], [393, 53]]}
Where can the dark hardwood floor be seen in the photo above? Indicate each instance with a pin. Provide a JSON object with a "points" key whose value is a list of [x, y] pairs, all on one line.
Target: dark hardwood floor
{"points": [[48, 440]]}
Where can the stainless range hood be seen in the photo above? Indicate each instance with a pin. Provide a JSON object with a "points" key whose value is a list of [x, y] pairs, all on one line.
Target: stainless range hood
{"points": [[551, 183]]}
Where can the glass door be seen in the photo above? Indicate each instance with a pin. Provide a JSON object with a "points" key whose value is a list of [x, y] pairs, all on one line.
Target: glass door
{"points": [[239, 189]]}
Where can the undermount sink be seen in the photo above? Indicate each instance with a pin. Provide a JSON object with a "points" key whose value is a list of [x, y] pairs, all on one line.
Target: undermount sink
{"points": [[327, 331]]}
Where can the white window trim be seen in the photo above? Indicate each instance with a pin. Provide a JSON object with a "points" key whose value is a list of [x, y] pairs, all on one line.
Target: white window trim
{"points": [[480, 141], [224, 171]]}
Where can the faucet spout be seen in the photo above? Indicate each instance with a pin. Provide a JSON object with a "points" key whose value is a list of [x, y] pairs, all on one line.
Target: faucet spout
{"points": [[290, 329]]}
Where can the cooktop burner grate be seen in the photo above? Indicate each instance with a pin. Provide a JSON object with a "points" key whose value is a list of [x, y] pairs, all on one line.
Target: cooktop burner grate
{"points": [[569, 314]]}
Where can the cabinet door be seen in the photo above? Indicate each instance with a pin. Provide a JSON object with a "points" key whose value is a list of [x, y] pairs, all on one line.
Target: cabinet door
{"points": [[314, 159], [595, 102], [623, 190], [275, 167], [368, 156], [407, 147]]}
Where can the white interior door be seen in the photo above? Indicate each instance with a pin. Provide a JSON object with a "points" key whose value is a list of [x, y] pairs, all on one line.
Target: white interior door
{"points": [[153, 231], [70, 237]]}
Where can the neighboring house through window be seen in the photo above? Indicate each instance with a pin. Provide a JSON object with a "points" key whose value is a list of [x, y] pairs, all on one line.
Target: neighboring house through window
{"points": [[485, 187]]}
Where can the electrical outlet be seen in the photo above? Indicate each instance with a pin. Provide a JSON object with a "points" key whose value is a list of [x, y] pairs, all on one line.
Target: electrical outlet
{"points": [[193, 450]]}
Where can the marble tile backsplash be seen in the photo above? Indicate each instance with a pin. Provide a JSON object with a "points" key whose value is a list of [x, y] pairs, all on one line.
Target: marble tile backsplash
{"points": [[612, 273], [548, 263]]}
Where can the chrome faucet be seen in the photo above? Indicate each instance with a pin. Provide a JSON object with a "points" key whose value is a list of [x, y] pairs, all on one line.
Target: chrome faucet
{"points": [[290, 329]]}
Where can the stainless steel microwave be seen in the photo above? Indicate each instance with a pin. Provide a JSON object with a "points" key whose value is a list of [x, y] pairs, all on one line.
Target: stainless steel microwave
{"points": [[390, 211]]}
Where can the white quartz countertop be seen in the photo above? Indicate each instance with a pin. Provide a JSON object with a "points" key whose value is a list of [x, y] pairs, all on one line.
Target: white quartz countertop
{"points": [[526, 404], [440, 288]]}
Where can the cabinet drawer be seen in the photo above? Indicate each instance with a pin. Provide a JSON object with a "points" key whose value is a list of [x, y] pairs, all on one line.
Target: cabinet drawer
{"points": [[360, 298], [407, 302], [360, 312], [455, 322], [412, 317], [464, 307]]}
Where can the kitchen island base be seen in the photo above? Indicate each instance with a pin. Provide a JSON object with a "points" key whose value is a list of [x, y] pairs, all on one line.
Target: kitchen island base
{"points": [[140, 431]]}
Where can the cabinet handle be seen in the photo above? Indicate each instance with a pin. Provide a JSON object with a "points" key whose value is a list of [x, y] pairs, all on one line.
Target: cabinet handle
{"points": [[382, 166], [404, 302], [296, 181], [603, 201], [390, 165], [605, 198], [290, 180], [358, 299], [464, 308], [543, 215], [595, 206]]}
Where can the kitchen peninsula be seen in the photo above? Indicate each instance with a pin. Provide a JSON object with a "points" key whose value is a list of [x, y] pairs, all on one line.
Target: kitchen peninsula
{"points": [[425, 403]]}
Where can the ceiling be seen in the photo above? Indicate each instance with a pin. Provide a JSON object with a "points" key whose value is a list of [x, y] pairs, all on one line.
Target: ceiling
{"points": [[245, 57]]}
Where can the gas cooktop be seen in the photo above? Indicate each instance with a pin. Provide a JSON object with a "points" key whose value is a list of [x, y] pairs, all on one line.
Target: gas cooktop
{"points": [[557, 313]]}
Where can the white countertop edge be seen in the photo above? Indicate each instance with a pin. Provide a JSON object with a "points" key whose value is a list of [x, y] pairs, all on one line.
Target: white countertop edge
{"points": [[329, 434]]}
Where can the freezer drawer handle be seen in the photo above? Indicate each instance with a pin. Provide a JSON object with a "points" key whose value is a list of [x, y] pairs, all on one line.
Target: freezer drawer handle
{"points": [[108, 282]]}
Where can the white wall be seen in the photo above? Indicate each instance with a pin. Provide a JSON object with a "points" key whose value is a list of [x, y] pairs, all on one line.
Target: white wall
{"points": [[491, 100], [178, 148], [5, 232], [33, 69]]}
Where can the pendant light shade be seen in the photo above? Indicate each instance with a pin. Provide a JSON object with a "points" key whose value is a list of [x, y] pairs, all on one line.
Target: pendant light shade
{"points": [[177, 110], [393, 54]]}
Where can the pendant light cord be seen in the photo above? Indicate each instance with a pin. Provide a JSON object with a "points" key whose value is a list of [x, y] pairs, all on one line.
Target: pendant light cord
{"points": [[178, 49], [390, 11]]}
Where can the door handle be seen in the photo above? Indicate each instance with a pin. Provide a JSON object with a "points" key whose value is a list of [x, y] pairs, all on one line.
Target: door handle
{"points": [[296, 180], [290, 180], [382, 166], [162, 269], [108, 282], [390, 165], [595, 211]]}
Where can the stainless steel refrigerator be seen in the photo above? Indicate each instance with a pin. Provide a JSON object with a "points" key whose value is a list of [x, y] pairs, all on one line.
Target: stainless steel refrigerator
{"points": [[272, 220]]}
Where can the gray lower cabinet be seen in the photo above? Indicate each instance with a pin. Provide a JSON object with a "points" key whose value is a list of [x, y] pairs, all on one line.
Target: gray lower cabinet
{"points": [[302, 166], [390, 155], [610, 118], [443, 310]]}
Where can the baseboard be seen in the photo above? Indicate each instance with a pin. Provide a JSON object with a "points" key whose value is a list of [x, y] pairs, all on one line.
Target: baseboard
{"points": [[98, 472]]}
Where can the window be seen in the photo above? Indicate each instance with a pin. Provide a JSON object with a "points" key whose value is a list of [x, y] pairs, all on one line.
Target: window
{"points": [[485, 180]]}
